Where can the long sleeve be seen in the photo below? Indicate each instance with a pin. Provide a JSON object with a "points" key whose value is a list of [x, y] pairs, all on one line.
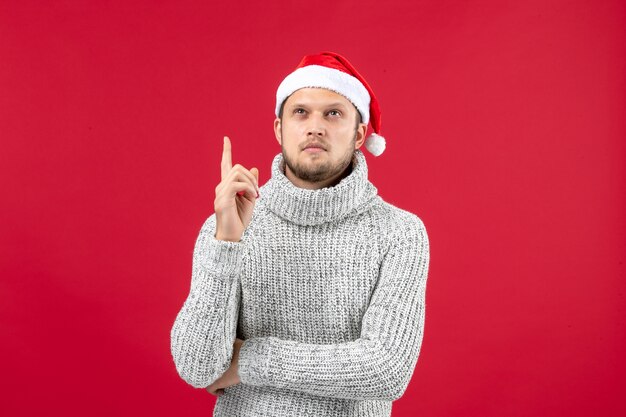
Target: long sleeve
{"points": [[376, 366], [204, 331]]}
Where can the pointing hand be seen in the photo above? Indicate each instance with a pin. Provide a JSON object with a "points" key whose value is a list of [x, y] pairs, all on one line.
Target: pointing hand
{"points": [[235, 197]]}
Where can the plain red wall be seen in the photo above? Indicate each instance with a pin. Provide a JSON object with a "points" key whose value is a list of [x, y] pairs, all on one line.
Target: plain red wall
{"points": [[505, 129]]}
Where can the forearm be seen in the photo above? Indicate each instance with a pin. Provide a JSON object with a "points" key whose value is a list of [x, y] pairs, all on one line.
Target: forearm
{"points": [[204, 331], [363, 369]]}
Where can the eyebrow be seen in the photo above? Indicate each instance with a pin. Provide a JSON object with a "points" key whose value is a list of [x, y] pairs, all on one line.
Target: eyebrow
{"points": [[336, 104]]}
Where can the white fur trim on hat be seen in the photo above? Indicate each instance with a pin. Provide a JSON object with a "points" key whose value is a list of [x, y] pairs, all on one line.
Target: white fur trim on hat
{"points": [[319, 76]]}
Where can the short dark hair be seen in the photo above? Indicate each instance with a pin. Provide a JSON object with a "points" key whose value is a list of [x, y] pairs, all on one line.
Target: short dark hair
{"points": [[359, 119]]}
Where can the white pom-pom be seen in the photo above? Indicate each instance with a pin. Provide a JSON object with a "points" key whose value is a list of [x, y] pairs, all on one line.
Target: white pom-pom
{"points": [[375, 144]]}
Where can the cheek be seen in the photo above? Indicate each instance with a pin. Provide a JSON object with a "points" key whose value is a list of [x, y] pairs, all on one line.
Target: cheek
{"points": [[294, 130], [346, 129]]}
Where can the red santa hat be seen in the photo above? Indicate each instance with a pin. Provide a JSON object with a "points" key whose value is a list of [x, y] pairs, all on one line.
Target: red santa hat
{"points": [[332, 71]]}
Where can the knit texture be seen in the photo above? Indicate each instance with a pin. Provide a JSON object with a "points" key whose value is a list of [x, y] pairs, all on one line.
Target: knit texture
{"points": [[326, 287]]}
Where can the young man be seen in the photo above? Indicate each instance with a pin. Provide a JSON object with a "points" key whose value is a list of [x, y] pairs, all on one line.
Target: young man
{"points": [[307, 294]]}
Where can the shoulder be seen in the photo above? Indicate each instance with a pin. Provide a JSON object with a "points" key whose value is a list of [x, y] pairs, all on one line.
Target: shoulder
{"points": [[396, 230], [396, 226]]}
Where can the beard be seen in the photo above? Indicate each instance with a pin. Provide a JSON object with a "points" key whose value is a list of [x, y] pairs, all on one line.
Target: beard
{"points": [[323, 171]]}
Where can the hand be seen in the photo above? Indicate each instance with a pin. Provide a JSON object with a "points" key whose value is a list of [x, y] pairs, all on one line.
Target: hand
{"points": [[235, 196], [230, 377]]}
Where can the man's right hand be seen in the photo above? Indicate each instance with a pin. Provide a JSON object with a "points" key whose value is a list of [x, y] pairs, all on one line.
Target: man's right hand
{"points": [[235, 196]]}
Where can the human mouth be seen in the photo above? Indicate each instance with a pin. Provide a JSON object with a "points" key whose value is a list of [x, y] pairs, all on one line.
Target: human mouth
{"points": [[313, 148]]}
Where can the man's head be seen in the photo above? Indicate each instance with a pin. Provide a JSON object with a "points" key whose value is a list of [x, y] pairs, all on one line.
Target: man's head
{"points": [[314, 105], [318, 131]]}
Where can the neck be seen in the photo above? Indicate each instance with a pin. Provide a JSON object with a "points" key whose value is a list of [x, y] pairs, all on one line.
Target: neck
{"points": [[287, 198]]}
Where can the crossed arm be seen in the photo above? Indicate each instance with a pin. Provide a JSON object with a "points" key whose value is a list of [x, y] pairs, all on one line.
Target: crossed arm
{"points": [[377, 365]]}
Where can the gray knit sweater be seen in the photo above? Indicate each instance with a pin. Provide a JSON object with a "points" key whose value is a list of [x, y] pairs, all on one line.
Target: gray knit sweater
{"points": [[326, 287]]}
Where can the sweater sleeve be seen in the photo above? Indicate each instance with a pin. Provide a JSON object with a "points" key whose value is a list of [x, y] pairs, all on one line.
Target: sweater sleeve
{"points": [[376, 366], [203, 334]]}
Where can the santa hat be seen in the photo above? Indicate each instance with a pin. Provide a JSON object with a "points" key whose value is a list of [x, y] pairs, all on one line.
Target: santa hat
{"points": [[333, 72]]}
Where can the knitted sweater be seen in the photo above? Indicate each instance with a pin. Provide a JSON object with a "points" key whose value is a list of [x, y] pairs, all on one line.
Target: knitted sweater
{"points": [[326, 287]]}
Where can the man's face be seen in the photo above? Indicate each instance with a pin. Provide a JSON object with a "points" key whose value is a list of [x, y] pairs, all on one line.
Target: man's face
{"points": [[318, 134]]}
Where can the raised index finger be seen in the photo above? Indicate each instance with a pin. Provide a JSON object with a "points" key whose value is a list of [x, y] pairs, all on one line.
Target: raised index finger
{"points": [[227, 159]]}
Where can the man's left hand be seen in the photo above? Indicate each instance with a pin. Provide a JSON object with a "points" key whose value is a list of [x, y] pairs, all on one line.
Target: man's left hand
{"points": [[230, 377]]}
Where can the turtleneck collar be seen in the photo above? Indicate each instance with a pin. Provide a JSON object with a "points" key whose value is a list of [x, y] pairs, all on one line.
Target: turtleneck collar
{"points": [[353, 194]]}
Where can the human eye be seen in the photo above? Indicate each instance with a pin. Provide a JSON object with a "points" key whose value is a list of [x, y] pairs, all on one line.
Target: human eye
{"points": [[334, 112], [298, 110]]}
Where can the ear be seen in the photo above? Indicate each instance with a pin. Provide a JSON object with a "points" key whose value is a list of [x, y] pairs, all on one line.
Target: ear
{"points": [[361, 131], [277, 131]]}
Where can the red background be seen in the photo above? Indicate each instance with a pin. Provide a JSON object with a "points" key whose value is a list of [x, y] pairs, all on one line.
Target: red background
{"points": [[505, 129]]}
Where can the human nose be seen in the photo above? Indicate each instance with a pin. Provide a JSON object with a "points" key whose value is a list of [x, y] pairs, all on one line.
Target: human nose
{"points": [[315, 127]]}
